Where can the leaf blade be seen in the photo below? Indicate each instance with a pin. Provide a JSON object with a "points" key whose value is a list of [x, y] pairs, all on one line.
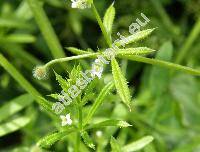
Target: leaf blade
{"points": [[121, 84], [109, 19]]}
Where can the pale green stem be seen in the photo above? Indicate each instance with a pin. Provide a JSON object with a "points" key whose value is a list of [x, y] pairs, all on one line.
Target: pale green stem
{"points": [[188, 43], [55, 61], [105, 34], [162, 63]]}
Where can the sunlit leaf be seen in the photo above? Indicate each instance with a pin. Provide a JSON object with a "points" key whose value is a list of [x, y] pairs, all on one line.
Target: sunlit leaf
{"points": [[13, 125]]}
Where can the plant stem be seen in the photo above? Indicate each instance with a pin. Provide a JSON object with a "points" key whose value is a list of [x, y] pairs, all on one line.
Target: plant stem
{"points": [[70, 58], [76, 149], [188, 43], [105, 34], [162, 63]]}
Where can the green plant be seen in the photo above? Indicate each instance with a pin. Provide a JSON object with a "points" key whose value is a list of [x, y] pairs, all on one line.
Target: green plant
{"points": [[84, 109]]}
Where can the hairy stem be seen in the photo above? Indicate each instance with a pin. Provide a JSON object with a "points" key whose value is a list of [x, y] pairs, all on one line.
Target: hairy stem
{"points": [[60, 60], [162, 63]]}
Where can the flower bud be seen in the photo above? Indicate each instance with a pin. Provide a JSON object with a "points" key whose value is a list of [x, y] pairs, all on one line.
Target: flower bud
{"points": [[40, 72]]}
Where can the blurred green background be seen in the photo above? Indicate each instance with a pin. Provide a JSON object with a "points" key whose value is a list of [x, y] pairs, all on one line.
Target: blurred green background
{"points": [[165, 106]]}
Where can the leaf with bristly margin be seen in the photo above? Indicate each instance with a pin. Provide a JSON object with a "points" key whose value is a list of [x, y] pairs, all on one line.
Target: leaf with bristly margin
{"points": [[15, 105], [137, 145], [76, 51], [135, 37], [62, 82], [87, 140], [135, 51], [13, 125], [115, 145], [121, 84], [117, 123], [99, 101], [49, 140], [109, 18]]}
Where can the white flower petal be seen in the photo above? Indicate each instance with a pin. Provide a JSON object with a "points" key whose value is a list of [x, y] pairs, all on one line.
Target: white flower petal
{"points": [[68, 116]]}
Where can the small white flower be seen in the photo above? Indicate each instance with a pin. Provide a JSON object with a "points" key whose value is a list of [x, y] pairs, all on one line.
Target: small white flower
{"points": [[97, 69], [82, 4], [66, 120]]}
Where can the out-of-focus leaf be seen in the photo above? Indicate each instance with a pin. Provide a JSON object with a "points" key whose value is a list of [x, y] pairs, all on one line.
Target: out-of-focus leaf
{"points": [[13, 125], [18, 38], [114, 145], [138, 145], [12, 23], [121, 84], [24, 83], [15, 105], [185, 90], [159, 78]]}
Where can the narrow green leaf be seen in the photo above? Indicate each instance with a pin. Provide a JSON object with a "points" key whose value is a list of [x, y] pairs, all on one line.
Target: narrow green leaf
{"points": [[121, 84], [138, 145], [46, 29], [15, 105], [99, 101], [117, 123], [87, 140], [12, 23], [18, 38], [49, 140], [109, 18], [135, 51], [161, 63], [135, 37], [115, 145], [13, 125]]}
